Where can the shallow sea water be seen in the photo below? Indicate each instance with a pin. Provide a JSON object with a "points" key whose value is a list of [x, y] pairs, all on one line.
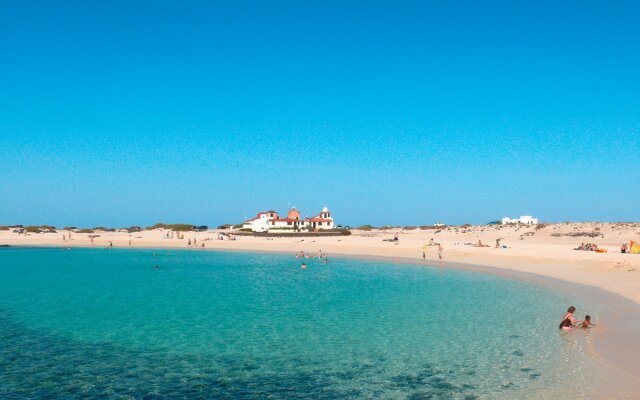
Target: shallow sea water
{"points": [[89, 323]]}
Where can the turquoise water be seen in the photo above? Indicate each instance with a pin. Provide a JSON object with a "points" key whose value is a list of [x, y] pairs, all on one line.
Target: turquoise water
{"points": [[86, 323]]}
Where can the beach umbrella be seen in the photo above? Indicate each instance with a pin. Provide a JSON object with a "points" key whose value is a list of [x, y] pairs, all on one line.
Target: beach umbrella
{"points": [[634, 247]]}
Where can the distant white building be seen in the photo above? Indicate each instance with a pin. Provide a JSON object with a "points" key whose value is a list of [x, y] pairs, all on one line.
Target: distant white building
{"points": [[439, 225], [261, 222], [524, 219], [269, 220]]}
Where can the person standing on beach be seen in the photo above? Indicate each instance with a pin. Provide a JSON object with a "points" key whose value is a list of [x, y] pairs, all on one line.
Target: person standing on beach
{"points": [[424, 255], [440, 251]]}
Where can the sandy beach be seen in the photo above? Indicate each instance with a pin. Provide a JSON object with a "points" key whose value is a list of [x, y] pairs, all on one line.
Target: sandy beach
{"points": [[544, 254], [547, 251]]}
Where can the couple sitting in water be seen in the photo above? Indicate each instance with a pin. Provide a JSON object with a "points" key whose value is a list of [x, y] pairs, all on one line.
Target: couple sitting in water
{"points": [[568, 322]]}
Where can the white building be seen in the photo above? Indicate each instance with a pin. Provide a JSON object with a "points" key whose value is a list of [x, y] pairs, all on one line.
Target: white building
{"points": [[261, 222], [322, 221], [439, 225], [524, 219], [269, 220]]}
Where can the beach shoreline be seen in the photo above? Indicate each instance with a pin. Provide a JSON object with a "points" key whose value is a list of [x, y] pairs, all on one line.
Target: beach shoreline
{"points": [[614, 339]]}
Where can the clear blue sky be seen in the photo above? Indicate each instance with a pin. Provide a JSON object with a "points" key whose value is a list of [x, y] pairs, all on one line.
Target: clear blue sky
{"points": [[122, 113]]}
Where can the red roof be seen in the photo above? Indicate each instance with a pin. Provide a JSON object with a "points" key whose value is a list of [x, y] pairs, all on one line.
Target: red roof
{"points": [[286, 220], [318, 219]]}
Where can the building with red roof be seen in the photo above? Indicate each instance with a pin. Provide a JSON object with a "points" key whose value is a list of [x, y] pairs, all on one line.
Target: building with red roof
{"points": [[270, 221]]}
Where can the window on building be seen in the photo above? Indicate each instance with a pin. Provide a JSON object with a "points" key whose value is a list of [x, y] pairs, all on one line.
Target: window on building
{"points": [[289, 223]]}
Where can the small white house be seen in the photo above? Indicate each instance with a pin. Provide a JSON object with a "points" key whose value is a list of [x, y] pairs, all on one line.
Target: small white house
{"points": [[524, 219], [261, 222], [439, 225]]}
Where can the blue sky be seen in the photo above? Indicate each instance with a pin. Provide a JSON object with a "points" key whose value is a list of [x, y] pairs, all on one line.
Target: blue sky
{"points": [[206, 112]]}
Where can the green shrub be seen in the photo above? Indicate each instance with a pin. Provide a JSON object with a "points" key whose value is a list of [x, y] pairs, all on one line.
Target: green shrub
{"points": [[86, 231], [32, 229], [410, 228], [173, 227], [102, 228], [228, 226], [345, 232], [365, 227], [4, 228]]}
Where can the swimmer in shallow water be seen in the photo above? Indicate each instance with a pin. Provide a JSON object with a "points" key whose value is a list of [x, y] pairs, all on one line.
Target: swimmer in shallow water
{"points": [[568, 320], [587, 322], [303, 266], [566, 325]]}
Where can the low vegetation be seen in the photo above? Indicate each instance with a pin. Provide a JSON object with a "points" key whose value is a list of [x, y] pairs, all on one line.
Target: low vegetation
{"points": [[102, 228], [365, 227], [4, 228], [229, 226], [579, 234], [85, 231], [173, 227]]}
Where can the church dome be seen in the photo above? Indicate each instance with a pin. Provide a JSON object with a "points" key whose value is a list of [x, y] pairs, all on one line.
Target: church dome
{"points": [[293, 214]]}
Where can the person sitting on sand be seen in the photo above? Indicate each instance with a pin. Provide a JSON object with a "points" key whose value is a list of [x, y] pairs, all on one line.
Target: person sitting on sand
{"points": [[587, 322], [568, 320], [623, 248]]}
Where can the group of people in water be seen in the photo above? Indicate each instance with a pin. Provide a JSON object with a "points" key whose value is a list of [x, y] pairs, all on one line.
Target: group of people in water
{"points": [[569, 322], [320, 256]]}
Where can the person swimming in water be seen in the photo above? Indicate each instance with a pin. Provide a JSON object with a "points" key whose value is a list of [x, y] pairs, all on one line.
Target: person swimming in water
{"points": [[587, 322], [303, 266]]}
